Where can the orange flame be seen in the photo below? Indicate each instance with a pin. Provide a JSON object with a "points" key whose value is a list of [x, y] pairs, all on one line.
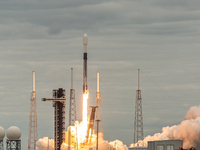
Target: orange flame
{"points": [[84, 116], [78, 132]]}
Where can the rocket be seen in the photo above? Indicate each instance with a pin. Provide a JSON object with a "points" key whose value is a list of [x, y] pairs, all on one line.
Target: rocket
{"points": [[85, 84]]}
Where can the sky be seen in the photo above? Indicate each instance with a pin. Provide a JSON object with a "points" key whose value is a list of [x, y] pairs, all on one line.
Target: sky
{"points": [[161, 38]]}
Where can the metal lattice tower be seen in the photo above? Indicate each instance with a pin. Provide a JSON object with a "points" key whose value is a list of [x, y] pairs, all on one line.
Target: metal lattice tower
{"points": [[99, 109], [72, 109], [13, 144], [138, 123], [59, 102], [33, 129], [72, 113], [1, 145]]}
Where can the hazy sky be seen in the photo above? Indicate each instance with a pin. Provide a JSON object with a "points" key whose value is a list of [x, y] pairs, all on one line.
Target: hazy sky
{"points": [[159, 37]]}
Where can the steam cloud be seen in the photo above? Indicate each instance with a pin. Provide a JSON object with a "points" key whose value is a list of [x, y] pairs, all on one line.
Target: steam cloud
{"points": [[188, 131], [42, 144]]}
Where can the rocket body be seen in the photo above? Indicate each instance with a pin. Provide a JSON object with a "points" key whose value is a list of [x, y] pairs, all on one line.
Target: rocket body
{"points": [[85, 84]]}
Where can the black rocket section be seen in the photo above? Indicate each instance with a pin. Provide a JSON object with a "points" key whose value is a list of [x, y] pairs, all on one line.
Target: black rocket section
{"points": [[85, 88], [85, 84]]}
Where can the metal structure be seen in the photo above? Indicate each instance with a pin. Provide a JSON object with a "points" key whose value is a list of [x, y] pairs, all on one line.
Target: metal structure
{"points": [[13, 144], [33, 129], [59, 102], [99, 108], [90, 125], [1, 145], [97, 134], [138, 123], [72, 105], [72, 112]]}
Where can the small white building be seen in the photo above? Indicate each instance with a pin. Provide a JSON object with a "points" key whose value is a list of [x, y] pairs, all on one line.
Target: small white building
{"points": [[165, 145]]}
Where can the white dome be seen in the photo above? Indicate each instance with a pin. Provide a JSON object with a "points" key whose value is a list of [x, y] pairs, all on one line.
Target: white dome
{"points": [[2, 133], [13, 133]]}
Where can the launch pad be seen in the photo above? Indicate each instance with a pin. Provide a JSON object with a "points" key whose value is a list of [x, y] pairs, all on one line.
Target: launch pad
{"points": [[78, 135]]}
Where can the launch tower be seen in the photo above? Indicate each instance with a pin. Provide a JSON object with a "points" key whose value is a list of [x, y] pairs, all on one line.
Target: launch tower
{"points": [[138, 123], [99, 108], [59, 102], [72, 111], [33, 130]]}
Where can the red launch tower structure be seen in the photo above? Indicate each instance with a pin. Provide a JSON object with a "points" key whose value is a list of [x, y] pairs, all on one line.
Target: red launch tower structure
{"points": [[98, 115], [33, 129]]}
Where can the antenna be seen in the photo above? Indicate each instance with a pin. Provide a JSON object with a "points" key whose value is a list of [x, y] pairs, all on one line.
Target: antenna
{"points": [[138, 79], [71, 78], [138, 123]]}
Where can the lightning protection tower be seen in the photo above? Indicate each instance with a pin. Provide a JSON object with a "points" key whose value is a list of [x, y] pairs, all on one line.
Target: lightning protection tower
{"points": [[72, 112], [33, 129], [99, 108], [138, 123], [72, 109]]}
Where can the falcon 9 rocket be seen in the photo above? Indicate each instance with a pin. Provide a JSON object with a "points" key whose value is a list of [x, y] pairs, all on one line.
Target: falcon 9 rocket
{"points": [[85, 84]]}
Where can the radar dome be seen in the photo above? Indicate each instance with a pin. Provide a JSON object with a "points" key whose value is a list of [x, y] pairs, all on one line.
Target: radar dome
{"points": [[2, 133], [13, 133]]}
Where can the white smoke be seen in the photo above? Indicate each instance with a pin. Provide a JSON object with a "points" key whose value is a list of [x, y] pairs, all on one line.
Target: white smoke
{"points": [[188, 131], [42, 144], [45, 144], [193, 113], [118, 145], [113, 145], [65, 146]]}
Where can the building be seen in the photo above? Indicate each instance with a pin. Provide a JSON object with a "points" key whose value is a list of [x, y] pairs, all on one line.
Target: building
{"points": [[160, 145], [165, 145], [138, 148]]}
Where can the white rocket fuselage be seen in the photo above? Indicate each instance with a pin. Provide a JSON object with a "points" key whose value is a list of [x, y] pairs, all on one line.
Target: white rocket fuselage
{"points": [[85, 84]]}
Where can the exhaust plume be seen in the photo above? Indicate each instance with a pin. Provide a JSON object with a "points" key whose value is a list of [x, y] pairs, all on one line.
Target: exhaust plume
{"points": [[42, 144], [45, 143], [188, 131]]}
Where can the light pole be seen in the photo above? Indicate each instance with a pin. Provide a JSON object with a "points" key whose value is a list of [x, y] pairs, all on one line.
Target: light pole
{"points": [[97, 132], [48, 143], [76, 124]]}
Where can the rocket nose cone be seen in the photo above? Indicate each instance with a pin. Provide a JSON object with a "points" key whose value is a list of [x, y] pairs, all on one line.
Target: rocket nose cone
{"points": [[85, 39], [85, 35]]}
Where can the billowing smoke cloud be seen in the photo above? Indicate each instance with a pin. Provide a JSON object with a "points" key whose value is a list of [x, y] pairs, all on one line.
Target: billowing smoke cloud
{"points": [[188, 131], [105, 145], [118, 145], [42, 144], [65, 146], [193, 113], [45, 143]]}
